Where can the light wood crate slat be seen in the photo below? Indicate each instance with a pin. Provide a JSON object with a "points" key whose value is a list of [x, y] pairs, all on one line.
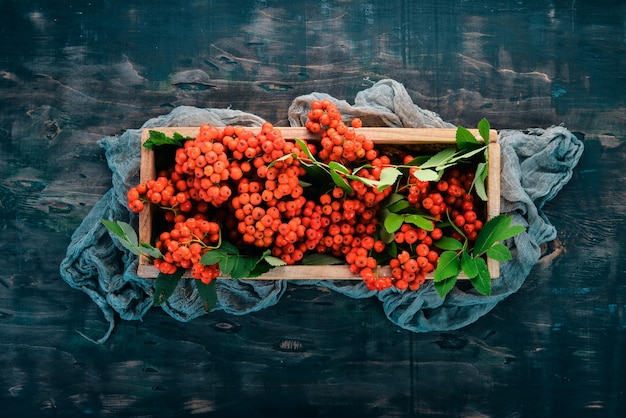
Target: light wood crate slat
{"points": [[393, 136]]}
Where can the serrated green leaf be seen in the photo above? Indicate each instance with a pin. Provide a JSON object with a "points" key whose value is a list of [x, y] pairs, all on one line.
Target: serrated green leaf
{"points": [[483, 129], [444, 287], [208, 294], [393, 222], [482, 282], [499, 252], [468, 265], [317, 259], [448, 243], [388, 177], [426, 175], [228, 248], [259, 269], [448, 265], [243, 266], [158, 138], [420, 221], [465, 139], [164, 286], [274, 261]]}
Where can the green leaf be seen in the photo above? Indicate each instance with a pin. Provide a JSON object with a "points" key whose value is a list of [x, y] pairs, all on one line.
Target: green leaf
{"points": [[465, 139], [496, 229], [482, 282], [273, 261], [364, 180], [228, 248], [426, 175], [398, 206], [212, 257], [150, 250], [259, 269], [157, 139], [419, 221], [499, 252], [164, 286], [483, 129], [317, 259], [479, 180], [385, 235], [283, 158], [340, 168], [393, 198], [388, 177], [467, 154], [441, 158], [113, 227], [305, 149], [447, 266], [317, 172], [243, 266], [128, 238], [468, 264], [341, 182], [208, 294], [444, 287], [448, 243], [393, 222], [228, 263]]}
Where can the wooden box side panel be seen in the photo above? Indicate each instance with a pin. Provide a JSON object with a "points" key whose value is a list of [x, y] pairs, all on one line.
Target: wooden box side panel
{"points": [[393, 136]]}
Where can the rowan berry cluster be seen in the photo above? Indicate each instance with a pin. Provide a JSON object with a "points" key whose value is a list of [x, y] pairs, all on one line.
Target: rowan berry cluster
{"points": [[450, 197], [229, 168], [338, 141]]}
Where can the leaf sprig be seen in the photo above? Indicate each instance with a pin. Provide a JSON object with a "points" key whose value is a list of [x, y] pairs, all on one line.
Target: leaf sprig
{"points": [[128, 238], [458, 257], [339, 174]]}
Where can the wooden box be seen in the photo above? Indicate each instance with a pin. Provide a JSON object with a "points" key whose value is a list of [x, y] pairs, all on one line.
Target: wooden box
{"points": [[431, 138]]}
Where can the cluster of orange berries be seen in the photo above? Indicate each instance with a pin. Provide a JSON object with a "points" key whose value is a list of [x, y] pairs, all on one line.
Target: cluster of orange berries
{"points": [[231, 174], [185, 245], [339, 142], [247, 188]]}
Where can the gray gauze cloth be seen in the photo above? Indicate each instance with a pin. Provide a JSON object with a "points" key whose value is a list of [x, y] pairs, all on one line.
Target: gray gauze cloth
{"points": [[535, 165]]}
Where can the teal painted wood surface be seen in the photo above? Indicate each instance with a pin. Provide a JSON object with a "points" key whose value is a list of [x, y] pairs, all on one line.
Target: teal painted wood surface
{"points": [[73, 72]]}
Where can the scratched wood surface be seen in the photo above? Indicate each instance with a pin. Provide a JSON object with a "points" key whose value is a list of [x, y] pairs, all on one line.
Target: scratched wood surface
{"points": [[73, 72]]}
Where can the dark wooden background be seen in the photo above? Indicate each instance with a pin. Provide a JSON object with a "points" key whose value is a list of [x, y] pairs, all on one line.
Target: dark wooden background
{"points": [[72, 72]]}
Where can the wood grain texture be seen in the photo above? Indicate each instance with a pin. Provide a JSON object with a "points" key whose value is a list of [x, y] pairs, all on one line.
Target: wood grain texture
{"points": [[74, 73]]}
